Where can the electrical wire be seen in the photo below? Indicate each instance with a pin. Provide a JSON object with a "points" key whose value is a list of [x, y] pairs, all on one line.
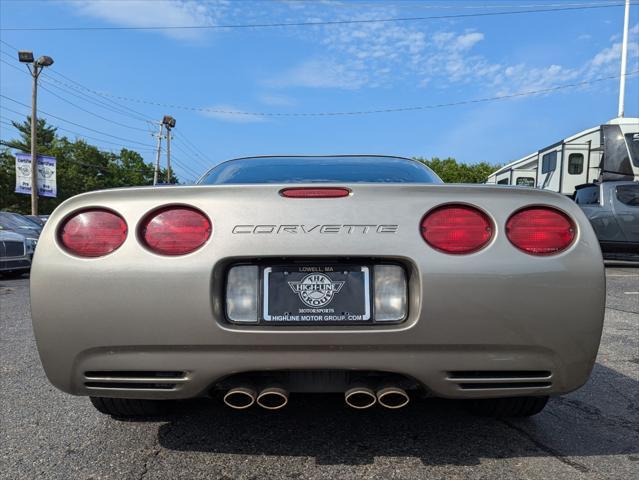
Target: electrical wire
{"points": [[77, 124], [311, 23], [81, 135], [412, 108], [178, 162]]}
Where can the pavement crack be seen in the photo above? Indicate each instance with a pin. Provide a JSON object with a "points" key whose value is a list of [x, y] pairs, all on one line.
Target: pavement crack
{"points": [[597, 414], [149, 458], [549, 450]]}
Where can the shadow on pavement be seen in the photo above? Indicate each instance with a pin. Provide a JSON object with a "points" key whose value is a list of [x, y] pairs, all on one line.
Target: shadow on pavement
{"points": [[437, 431]]}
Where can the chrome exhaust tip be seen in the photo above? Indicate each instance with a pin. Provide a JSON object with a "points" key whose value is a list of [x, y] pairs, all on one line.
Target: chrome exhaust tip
{"points": [[392, 397], [272, 398], [240, 398], [360, 398]]}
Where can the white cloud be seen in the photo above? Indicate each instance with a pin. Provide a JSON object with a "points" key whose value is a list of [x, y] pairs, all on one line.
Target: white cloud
{"points": [[468, 40], [232, 114], [143, 13], [276, 100], [319, 73]]}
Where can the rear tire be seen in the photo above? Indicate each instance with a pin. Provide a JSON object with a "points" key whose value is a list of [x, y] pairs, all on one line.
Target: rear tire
{"points": [[130, 408], [507, 407]]}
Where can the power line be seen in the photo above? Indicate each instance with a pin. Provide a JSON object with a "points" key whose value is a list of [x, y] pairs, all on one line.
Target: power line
{"points": [[79, 86], [315, 23], [147, 171], [77, 93], [77, 124], [95, 92], [93, 113], [190, 155], [128, 147], [525, 93]]}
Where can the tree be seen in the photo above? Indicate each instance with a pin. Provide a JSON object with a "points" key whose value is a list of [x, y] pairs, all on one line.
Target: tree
{"points": [[81, 167], [452, 172]]}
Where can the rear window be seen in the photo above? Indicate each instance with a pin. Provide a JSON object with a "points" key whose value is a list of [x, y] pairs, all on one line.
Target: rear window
{"points": [[355, 169], [587, 195], [628, 194]]}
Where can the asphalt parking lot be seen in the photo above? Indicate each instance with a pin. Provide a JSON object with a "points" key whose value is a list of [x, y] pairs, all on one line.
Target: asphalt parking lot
{"points": [[591, 433]]}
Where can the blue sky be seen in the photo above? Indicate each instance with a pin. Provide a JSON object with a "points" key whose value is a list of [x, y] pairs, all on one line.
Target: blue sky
{"points": [[334, 68]]}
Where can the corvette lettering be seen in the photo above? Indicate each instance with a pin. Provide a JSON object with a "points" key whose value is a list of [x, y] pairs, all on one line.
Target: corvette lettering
{"points": [[350, 229]]}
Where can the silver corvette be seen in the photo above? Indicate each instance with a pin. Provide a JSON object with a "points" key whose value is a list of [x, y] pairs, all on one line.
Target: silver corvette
{"points": [[274, 276]]}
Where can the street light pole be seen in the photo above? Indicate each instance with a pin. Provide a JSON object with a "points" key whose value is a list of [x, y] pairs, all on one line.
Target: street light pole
{"points": [[168, 154], [169, 122], [34, 145], [25, 56]]}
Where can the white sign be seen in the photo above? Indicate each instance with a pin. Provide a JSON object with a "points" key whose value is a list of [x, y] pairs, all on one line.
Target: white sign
{"points": [[46, 175]]}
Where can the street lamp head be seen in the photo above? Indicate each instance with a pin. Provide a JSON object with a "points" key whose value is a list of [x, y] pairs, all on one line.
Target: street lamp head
{"points": [[25, 56], [168, 121], [44, 61]]}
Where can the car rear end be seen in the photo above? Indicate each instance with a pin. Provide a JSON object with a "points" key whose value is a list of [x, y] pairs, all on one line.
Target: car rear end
{"points": [[189, 304]]}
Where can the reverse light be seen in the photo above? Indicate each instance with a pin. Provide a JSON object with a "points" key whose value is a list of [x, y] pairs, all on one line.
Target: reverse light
{"points": [[390, 293], [242, 286], [315, 192], [456, 229], [175, 230], [540, 230], [93, 233]]}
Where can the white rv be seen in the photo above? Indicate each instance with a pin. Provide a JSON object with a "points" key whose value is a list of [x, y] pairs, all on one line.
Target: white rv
{"points": [[609, 152]]}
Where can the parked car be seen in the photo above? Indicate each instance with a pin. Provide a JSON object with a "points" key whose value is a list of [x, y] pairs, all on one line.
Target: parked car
{"points": [[18, 224], [613, 211], [15, 257], [364, 275], [37, 219]]}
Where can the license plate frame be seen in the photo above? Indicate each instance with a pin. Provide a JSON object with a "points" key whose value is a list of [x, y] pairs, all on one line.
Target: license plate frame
{"points": [[316, 294]]}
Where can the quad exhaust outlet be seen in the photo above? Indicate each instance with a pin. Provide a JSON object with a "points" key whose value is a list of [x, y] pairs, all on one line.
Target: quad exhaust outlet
{"points": [[392, 397], [360, 397], [272, 398], [240, 398]]}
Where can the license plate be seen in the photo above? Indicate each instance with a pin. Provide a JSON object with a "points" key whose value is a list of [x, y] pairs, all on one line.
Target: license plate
{"points": [[317, 294]]}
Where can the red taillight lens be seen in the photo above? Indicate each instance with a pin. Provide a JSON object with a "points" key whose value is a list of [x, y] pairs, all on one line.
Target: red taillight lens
{"points": [[456, 229], [312, 192], [540, 230], [93, 233], [175, 230]]}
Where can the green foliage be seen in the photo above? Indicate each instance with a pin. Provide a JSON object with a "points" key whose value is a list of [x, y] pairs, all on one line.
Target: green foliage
{"points": [[81, 167], [452, 172]]}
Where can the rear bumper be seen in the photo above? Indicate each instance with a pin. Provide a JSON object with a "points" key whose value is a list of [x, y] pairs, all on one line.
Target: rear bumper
{"points": [[498, 309], [532, 371]]}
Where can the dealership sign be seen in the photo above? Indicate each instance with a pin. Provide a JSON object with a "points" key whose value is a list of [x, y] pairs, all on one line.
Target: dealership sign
{"points": [[46, 175]]}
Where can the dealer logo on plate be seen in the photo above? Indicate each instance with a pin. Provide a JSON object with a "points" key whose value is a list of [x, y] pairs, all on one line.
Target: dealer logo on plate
{"points": [[316, 290]]}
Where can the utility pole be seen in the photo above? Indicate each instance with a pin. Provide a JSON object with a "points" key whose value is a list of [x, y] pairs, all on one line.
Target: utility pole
{"points": [[156, 172], [168, 155], [169, 122], [624, 59], [37, 66]]}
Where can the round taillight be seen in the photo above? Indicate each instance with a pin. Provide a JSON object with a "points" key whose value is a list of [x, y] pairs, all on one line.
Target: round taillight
{"points": [[175, 230], [456, 229], [93, 233], [540, 230]]}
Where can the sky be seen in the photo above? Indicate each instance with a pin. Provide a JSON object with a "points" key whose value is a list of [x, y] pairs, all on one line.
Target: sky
{"points": [[115, 84]]}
